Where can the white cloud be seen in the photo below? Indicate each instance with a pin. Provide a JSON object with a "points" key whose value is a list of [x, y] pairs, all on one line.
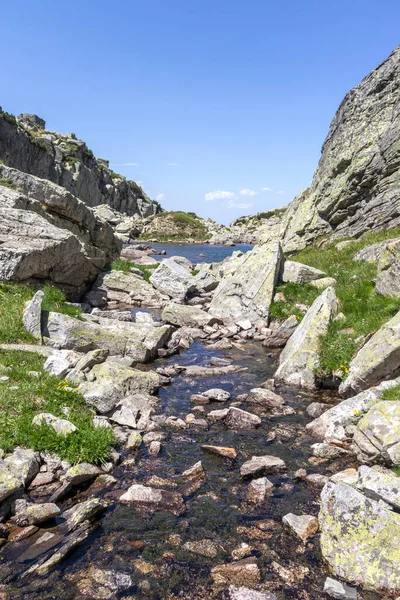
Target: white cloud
{"points": [[172, 164], [159, 197], [280, 192], [247, 192], [240, 205], [126, 164], [266, 189], [218, 195]]}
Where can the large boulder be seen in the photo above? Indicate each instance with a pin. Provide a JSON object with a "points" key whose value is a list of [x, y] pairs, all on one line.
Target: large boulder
{"points": [[388, 279], [359, 538], [248, 292], [378, 359], [191, 316], [138, 340], [173, 279], [300, 357], [377, 437], [47, 234], [332, 422], [126, 288]]}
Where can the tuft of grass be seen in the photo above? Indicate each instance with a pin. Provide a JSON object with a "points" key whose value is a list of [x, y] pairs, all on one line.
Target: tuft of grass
{"points": [[54, 301], [25, 395], [13, 297], [393, 394], [146, 270], [7, 183], [365, 311], [121, 264], [195, 272], [294, 293]]}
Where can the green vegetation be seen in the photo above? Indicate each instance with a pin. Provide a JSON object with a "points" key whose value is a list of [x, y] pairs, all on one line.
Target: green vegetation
{"points": [[13, 297], [195, 272], [29, 391], [136, 189], [393, 394], [120, 264], [88, 153], [10, 118], [177, 225], [54, 300], [251, 220], [8, 183], [365, 310], [294, 294]]}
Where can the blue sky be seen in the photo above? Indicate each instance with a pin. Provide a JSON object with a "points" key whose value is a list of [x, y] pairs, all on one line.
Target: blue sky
{"points": [[218, 107]]}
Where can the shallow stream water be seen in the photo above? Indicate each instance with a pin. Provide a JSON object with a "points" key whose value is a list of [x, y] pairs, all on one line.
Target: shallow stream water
{"points": [[149, 547], [198, 253]]}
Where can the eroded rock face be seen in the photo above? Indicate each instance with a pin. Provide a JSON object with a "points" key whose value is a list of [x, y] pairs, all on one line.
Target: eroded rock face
{"points": [[67, 161], [48, 234], [356, 185], [248, 292], [378, 359], [359, 538], [300, 357], [388, 279]]}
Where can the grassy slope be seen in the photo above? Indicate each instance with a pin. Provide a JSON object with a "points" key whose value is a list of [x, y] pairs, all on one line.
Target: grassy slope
{"points": [[26, 394], [179, 225], [364, 309]]}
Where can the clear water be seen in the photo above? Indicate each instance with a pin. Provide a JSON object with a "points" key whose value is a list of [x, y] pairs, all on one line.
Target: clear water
{"points": [[217, 510], [199, 252]]}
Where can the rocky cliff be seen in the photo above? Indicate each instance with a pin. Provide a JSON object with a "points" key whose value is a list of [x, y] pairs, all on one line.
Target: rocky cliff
{"points": [[26, 145], [356, 186]]}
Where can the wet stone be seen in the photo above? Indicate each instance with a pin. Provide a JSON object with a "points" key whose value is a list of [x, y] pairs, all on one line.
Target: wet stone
{"points": [[304, 526], [153, 499], [243, 572], [205, 548], [262, 464], [258, 490], [220, 451], [241, 419], [103, 584], [336, 589], [217, 395]]}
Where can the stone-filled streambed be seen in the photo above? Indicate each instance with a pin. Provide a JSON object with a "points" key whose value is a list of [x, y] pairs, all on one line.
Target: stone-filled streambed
{"points": [[141, 554]]}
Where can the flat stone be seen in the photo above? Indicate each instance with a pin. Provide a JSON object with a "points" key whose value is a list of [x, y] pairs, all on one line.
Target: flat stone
{"points": [[217, 395], [191, 316], [83, 511], [206, 548], [295, 272], [242, 572], [265, 397], [241, 419], [262, 464], [304, 526], [153, 499], [336, 589], [220, 451], [34, 514]]}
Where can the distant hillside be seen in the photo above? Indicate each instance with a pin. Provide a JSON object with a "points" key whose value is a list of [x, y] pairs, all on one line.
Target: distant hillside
{"points": [[26, 145]]}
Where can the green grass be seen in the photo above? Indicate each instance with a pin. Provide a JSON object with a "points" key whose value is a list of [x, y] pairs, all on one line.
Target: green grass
{"points": [[54, 301], [120, 264], [294, 293], [364, 309], [46, 393], [393, 394], [7, 183], [195, 272]]}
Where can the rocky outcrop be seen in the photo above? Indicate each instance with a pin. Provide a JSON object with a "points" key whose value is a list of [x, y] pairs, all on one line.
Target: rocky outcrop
{"points": [[379, 359], [248, 292], [68, 162], [46, 234], [377, 437], [300, 357], [359, 538], [356, 185], [388, 279]]}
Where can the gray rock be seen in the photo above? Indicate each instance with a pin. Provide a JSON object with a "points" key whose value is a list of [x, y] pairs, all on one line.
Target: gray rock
{"points": [[172, 279], [378, 359], [323, 283], [259, 465], [377, 437], [153, 499], [34, 514], [295, 272], [217, 395], [206, 548], [336, 589], [104, 584], [191, 316], [388, 278], [373, 252], [248, 293], [24, 464], [81, 473], [88, 509], [242, 572], [32, 315], [9, 483], [300, 357], [304, 526], [324, 450], [258, 490], [135, 411], [243, 593], [62, 427], [265, 398], [279, 337], [364, 549], [379, 483], [237, 418], [95, 357]]}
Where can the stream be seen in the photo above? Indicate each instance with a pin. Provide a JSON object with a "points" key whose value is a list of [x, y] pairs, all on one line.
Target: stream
{"points": [[149, 547]]}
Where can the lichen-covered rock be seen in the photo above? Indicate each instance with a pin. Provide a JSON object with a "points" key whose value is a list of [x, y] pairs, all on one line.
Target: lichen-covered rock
{"points": [[236, 418], [9, 483], [379, 483], [373, 252], [355, 188], [248, 292], [24, 464], [81, 473], [34, 514], [359, 538], [377, 437], [172, 279], [62, 427], [295, 272], [191, 316], [332, 422], [378, 359], [114, 382], [388, 278], [126, 288], [279, 337], [139, 340], [32, 315], [89, 509], [300, 357]]}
